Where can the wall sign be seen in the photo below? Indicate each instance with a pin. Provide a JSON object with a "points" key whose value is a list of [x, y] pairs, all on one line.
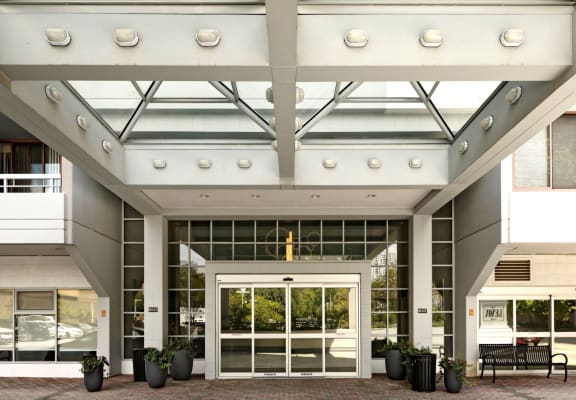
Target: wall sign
{"points": [[494, 314], [152, 309]]}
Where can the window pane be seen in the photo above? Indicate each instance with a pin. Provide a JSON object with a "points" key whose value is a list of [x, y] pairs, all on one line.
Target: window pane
{"points": [[496, 314], [398, 231], [565, 315], [532, 315], [444, 212], [235, 310], [133, 254], [199, 231], [130, 212], [442, 277], [441, 253], [332, 231], [133, 278], [354, 231], [531, 163], [178, 231], [442, 300], [77, 323], [222, 231], [236, 355], [441, 230], [376, 231], [564, 153], [244, 231], [6, 327], [441, 323], [133, 231], [130, 344], [35, 337], [35, 300], [309, 231]]}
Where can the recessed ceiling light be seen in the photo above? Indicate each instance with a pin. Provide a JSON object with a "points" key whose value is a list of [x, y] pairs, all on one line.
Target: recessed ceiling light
{"points": [[315, 196], [356, 38], [512, 37], [255, 196], [204, 196], [53, 93], [371, 196], [125, 37], [208, 37], [431, 38], [58, 37]]}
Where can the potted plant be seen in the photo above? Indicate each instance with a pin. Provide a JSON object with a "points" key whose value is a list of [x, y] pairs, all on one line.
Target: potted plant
{"points": [[393, 354], [93, 370], [157, 364], [409, 351], [181, 365], [454, 371]]}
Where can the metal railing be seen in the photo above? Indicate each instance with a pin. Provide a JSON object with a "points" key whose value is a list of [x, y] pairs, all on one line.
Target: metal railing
{"points": [[30, 183]]}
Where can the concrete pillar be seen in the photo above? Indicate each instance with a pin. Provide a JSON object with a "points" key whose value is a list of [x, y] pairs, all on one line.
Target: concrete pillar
{"points": [[421, 281], [155, 281]]}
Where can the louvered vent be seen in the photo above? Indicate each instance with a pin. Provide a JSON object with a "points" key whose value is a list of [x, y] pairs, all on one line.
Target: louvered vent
{"points": [[512, 270]]}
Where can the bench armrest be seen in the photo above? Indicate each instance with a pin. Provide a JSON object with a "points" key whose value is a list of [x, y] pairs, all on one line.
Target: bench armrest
{"points": [[560, 354]]}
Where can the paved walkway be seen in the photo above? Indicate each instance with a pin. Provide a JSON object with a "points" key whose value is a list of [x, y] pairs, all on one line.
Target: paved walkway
{"points": [[380, 387]]}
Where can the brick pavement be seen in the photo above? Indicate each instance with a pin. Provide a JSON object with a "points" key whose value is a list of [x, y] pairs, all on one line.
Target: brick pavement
{"points": [[380, 388]]}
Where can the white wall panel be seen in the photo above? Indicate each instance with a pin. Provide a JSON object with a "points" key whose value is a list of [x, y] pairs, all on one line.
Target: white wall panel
{"points": [[41, 272]]}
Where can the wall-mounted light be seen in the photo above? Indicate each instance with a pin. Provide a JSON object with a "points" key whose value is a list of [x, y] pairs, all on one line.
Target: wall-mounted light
{"points": [[244, 163], [159, 164], [58, 37], [107, 146], [53, 93], [374, 163], [463, 147], [204, 164], [125, 37], [82, 122], [206, 37], [512, 37], [487, 122], [356, 38], [329, 163], [431, 38], [415, 163], [513, 95]]}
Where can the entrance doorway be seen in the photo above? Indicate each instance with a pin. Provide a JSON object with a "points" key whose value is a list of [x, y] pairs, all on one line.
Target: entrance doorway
{"points": [[276, 325]]}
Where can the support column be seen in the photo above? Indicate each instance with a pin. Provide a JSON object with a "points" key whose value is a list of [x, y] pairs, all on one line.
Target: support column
{"points": [[421, 281], [155, 281]]}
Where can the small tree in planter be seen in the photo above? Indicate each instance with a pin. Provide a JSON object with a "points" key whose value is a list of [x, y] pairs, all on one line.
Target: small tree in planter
{"points": [[454, 370], [409, 351], [93, 370], [184, 352], [157, 364], [393, 353]]}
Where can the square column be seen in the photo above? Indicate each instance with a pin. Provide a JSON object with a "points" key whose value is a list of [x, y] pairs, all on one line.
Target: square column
{"points": [[155, 281], [421, 281]]}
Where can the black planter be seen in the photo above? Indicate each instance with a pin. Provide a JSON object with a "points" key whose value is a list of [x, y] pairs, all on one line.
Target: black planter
{"points": [[394, 367], [155, 376], [93, 380], [181, 366], [451, 381], [408, 368]]}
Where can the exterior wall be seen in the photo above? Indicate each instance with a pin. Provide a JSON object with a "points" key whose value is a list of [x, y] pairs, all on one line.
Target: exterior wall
{"points": [[47, 272], [30, 218]]}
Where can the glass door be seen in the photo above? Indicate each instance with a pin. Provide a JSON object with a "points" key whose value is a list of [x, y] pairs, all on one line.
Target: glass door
{"points": [[288, 329]]}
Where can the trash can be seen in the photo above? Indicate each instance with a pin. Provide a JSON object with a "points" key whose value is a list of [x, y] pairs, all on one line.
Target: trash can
{"points": [[424, 369], [138, 365]]}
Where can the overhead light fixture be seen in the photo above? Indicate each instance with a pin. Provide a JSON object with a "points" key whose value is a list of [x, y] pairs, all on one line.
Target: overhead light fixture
{"points": [[125, 37], [356, 38], [204, 196], [53, 93], [107, 146], [159, 164], [371, 196], [255, 196], [244, 163], [329, 163], [431, 38], [82, 122], [207, 37], [513, 95], [315, 196], [58, 37], [415, 163], [204, 164], [487, 122], [374, 163], [463, 147], [512, 37]]}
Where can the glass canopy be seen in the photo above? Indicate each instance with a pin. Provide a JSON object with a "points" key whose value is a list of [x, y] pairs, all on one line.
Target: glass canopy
{"points": [[240, 111]]}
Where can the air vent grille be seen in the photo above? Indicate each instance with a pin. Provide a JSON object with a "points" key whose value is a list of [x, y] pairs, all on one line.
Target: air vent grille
{"points": [[512, 270]]}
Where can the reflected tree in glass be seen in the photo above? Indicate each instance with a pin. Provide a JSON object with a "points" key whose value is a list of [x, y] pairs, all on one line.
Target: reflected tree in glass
{"points": [[270, 309], [236, 309]]}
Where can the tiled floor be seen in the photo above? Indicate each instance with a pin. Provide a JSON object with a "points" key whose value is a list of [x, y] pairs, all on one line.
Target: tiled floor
{"points": [[379, 387]]}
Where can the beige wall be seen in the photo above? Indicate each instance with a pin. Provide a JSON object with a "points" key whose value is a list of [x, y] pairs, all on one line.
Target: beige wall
{"points": [[25, 272]]}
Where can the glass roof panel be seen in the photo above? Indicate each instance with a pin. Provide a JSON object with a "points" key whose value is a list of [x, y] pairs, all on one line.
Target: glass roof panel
{"points": [[316, 95], [385, 89], [114, 101], [188, 89], [457, 101], [254, 94]]}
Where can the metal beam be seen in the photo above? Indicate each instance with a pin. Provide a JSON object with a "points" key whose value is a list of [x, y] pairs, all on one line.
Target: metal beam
{"points": [[282, 21], [433, 110], [540, 104], [139, 110]]}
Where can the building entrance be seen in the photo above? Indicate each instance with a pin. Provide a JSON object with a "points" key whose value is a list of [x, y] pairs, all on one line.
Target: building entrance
{"points": [[276, 325]]}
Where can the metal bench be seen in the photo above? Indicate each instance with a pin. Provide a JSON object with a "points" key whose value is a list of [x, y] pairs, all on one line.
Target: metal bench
{"points": [[508, 355]]}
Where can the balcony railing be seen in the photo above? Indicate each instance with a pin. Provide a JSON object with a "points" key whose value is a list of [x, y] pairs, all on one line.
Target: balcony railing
{"points": [[30, 183]]}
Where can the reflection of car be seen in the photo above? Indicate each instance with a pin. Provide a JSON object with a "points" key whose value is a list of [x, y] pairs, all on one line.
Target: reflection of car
{"points": [[69, 331], [5, 335]]}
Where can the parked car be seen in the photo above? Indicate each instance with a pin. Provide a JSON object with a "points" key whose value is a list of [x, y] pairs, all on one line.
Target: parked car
{"points": [[69, 331]]}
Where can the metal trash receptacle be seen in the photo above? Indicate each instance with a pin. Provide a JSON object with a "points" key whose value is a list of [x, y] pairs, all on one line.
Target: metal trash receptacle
{"points": [[138, 365], [424, 369]]}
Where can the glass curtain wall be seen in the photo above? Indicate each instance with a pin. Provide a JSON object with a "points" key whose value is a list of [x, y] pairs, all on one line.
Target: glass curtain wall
{"points": [[193, 242]]}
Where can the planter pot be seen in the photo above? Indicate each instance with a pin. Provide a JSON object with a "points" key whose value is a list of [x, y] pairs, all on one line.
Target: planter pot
{"points": [[409, 369], [155, 376], [451, 381], [181, 366], [394, 367], [93, 380]]}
